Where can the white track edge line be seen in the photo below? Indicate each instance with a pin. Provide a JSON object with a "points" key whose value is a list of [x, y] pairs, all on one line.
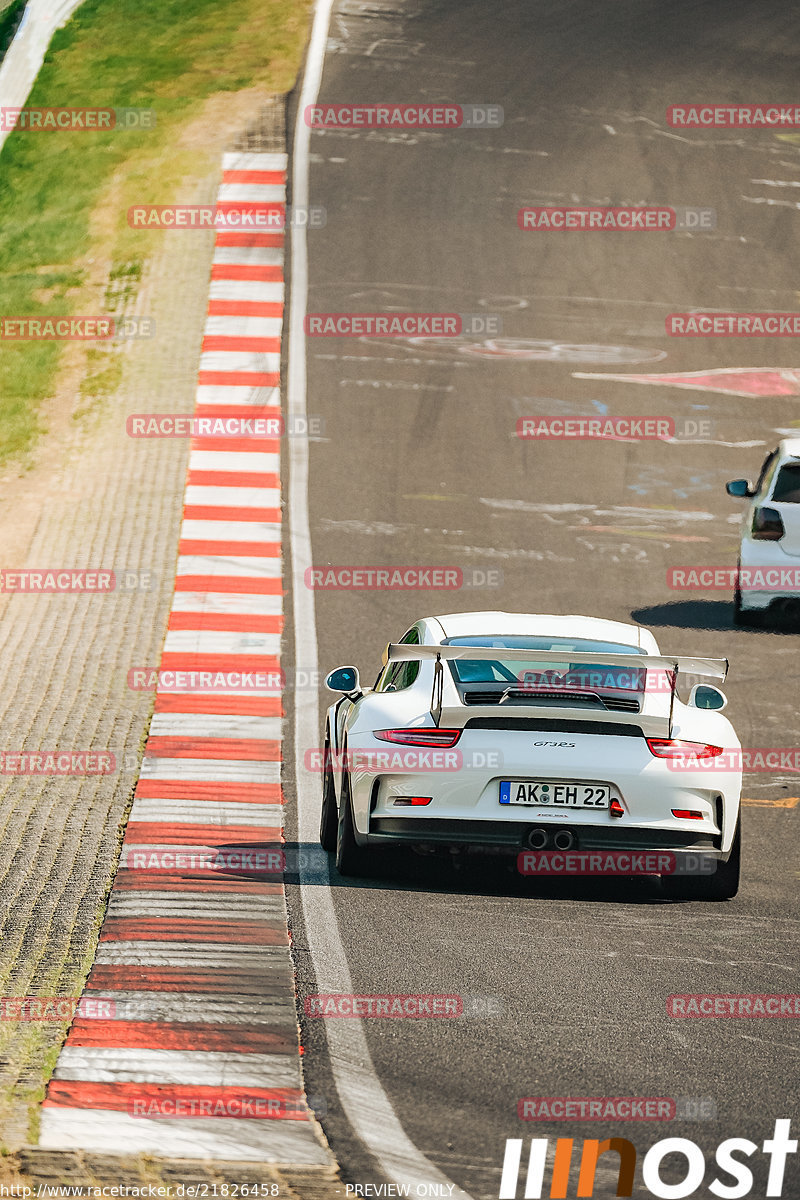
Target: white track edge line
{"points": [[368, 1108]]}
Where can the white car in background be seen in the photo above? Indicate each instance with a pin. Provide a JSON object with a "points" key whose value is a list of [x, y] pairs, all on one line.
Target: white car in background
{"points": [[561, 733], [769, 556]]}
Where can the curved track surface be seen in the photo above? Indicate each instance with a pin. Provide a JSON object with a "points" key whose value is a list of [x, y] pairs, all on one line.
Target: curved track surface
{"points": [[419, 463]]}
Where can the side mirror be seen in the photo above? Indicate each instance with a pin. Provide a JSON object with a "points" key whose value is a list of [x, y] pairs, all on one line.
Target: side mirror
{"points": [[704, 695], [740, 488], [344, 679]]}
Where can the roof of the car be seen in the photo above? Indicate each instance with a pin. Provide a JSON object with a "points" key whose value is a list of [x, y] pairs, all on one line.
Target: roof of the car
{"points": [[790, 448], [475, 624]]}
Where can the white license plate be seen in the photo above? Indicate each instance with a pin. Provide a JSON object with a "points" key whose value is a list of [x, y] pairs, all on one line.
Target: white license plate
{"points": [[536, 793]]}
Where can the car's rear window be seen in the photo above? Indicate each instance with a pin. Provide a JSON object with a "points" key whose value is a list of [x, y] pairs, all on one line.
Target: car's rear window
{"points": [[527, 673], [787, 485]]}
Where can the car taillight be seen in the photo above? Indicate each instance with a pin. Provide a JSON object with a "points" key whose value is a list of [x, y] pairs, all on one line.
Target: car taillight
{"points": [[675, 748], [687, 814], [767, 525], [410, 801], [420, 737]]}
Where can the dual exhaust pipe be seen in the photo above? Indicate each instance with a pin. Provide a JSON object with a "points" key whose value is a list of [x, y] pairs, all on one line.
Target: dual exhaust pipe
{"points": [[540, 838]]}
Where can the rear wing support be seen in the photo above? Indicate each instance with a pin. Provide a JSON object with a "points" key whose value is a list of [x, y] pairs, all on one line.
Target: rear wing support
{"points": [[672, 689], [438, 687]]}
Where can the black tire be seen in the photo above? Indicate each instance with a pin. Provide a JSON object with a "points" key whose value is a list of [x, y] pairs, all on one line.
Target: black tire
{"points": [[749, 618], [329, 817], [722, 885], [351, 859]]}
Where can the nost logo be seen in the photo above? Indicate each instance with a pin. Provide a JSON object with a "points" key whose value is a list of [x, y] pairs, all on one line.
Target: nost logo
{"points": [[693, 1163]]}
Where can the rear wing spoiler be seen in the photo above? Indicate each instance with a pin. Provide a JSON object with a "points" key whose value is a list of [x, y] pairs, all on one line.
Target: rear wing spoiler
{"points": [[705, 668], [711, 668]]}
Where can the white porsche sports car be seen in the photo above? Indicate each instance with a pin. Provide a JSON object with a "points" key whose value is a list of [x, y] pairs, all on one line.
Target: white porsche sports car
{"points": [[509, 732]]}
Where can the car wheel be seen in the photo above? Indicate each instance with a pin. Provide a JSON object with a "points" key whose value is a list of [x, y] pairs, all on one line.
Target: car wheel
{"points": [[722, 885], [351, 859], [329, 817], [748, 617]]}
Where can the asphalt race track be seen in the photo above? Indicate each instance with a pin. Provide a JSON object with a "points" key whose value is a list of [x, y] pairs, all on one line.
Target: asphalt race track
{"points": [[419, 464]]}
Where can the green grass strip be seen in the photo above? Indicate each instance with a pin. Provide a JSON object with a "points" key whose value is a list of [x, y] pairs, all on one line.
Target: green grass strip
{"points": [[168, 55]]}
